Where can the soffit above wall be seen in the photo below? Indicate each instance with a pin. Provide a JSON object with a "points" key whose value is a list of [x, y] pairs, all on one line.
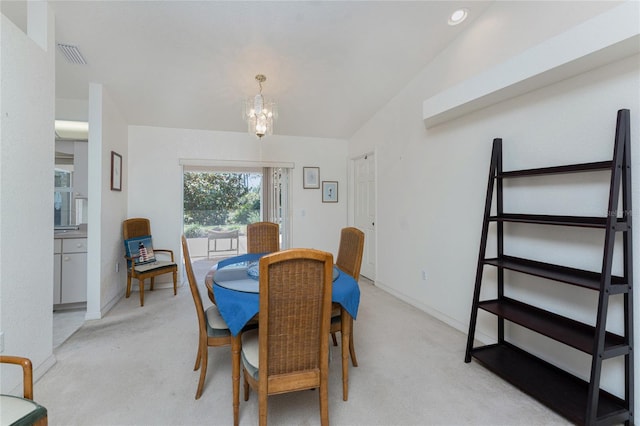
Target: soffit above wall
{"points": [[609, 37]]}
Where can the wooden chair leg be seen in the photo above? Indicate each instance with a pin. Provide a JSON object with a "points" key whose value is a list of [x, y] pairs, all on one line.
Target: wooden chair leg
{"points": [[352, 348], [346, 322], [128, 293], [203, 370], [153, 279], [175, 283], [195, 368], [324, 404], [345, 369], [236, 347], [335, 341], [246, 386], [141, 284], [262, 408]]}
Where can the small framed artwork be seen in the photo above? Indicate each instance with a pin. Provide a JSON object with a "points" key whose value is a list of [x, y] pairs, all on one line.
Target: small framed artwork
{"points": [[116, 171], [329, 191], [311, 177]]}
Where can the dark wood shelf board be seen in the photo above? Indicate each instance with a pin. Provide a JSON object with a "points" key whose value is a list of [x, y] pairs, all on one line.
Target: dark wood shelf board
{"points": [[541, 219], [554, 170], [555, 388], [570, 332], [573, 276]]}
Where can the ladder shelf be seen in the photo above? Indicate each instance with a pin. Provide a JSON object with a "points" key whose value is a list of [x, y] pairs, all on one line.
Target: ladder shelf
{"points": [[580, 401]]}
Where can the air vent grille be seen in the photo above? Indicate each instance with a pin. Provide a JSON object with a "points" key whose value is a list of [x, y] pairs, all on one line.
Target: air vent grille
{"points": [[72, 54]]}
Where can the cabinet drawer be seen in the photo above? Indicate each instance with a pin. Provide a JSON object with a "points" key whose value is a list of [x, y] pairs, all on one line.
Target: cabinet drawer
{"points": [[57, 246], [74, 245]]}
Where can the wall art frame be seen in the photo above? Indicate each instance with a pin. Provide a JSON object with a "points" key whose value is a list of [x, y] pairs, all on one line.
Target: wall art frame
{"points": [[329, 191], [311, 177], [116, 171]]}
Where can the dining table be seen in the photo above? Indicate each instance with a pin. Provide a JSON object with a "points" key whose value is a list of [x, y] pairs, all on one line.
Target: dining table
{"points": [[234, 286]]}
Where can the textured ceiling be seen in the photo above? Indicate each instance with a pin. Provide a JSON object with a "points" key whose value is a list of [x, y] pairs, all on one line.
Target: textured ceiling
{"points": [[330, 65]]}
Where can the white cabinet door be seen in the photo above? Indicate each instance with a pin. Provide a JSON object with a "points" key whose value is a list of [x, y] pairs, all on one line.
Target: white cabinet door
{"points": [[57, 258], [74, 278]]}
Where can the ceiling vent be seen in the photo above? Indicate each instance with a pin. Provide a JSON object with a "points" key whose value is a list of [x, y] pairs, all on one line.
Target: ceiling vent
{"points": [[72, 54]]}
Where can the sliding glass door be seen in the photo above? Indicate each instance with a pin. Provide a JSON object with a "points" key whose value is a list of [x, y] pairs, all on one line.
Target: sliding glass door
{"points": [[219, 203]]}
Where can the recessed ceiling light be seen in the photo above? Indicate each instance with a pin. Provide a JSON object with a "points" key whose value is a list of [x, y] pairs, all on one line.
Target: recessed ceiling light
{"points": [[458, 16]]}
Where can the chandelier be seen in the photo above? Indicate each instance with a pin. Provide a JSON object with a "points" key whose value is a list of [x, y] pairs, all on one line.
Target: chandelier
{"points": [[259, 112]]}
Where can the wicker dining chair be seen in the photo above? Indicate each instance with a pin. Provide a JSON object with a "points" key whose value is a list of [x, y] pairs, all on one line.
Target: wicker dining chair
{"points": [[22, 411], [263, 237], [135, 231], [212, 329], [290, 350], [349, 261]]}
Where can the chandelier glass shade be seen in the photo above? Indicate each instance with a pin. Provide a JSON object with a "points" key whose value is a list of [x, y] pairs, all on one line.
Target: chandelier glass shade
{"points": [[260, 112]]}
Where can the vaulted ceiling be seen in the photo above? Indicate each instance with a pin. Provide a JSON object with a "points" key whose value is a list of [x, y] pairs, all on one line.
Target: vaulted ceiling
{"points": [[330, 65]]}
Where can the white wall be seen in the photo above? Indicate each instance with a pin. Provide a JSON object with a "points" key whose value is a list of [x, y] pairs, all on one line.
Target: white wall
{"points": [[107, 209], [72, 109], [26, 201], [154, 178], [443, 172]]}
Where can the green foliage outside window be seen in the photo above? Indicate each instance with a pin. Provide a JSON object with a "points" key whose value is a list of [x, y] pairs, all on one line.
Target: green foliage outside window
{"points": [[218, 200]]}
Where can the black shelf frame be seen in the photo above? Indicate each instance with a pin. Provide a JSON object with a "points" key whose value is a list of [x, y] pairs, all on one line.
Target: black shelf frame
{"points": [[582, 402], [552, 386]]}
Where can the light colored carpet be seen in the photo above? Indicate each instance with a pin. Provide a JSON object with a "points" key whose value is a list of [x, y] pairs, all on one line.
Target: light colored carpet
{"points": [[135, 367]]}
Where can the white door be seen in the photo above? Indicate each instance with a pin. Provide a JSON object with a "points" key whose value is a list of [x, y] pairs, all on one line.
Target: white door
{"points": [[364, 171]]}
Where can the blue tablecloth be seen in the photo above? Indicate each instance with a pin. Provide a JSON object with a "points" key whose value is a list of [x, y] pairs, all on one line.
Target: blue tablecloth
{"points": [[237, 307]]}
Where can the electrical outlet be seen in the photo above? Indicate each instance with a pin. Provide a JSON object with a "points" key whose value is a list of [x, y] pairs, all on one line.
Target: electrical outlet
{"points": [[424, 275], [1, 342], [117, 266]]}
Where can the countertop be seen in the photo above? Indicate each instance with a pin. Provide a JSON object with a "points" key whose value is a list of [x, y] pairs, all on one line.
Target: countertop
{"points": [[81, 232]]}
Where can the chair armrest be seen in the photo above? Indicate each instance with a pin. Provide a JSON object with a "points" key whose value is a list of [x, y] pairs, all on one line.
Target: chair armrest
{"points": [[131, 260], [27, 372], [164, 251]]}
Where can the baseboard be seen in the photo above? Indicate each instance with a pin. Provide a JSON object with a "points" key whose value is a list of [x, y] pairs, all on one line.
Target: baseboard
{"points": [[109, 305], [452, 322], [41, 369], [104, 309]]}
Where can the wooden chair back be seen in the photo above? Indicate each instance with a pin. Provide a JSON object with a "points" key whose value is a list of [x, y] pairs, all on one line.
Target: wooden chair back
{"points": [[209, 335], [140, 227], [295, 315], [350, 251], [193, 286], [136, 227], [263, 237], [27, 372], [36, 415]]}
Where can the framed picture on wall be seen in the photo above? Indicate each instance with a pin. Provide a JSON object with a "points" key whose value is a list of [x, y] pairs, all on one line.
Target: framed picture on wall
{"points": [[311, 177], [116, 171], [329, 191]]}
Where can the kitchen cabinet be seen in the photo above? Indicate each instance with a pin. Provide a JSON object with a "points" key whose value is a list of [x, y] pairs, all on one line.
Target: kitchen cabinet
{"points": [[70, 270]]}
